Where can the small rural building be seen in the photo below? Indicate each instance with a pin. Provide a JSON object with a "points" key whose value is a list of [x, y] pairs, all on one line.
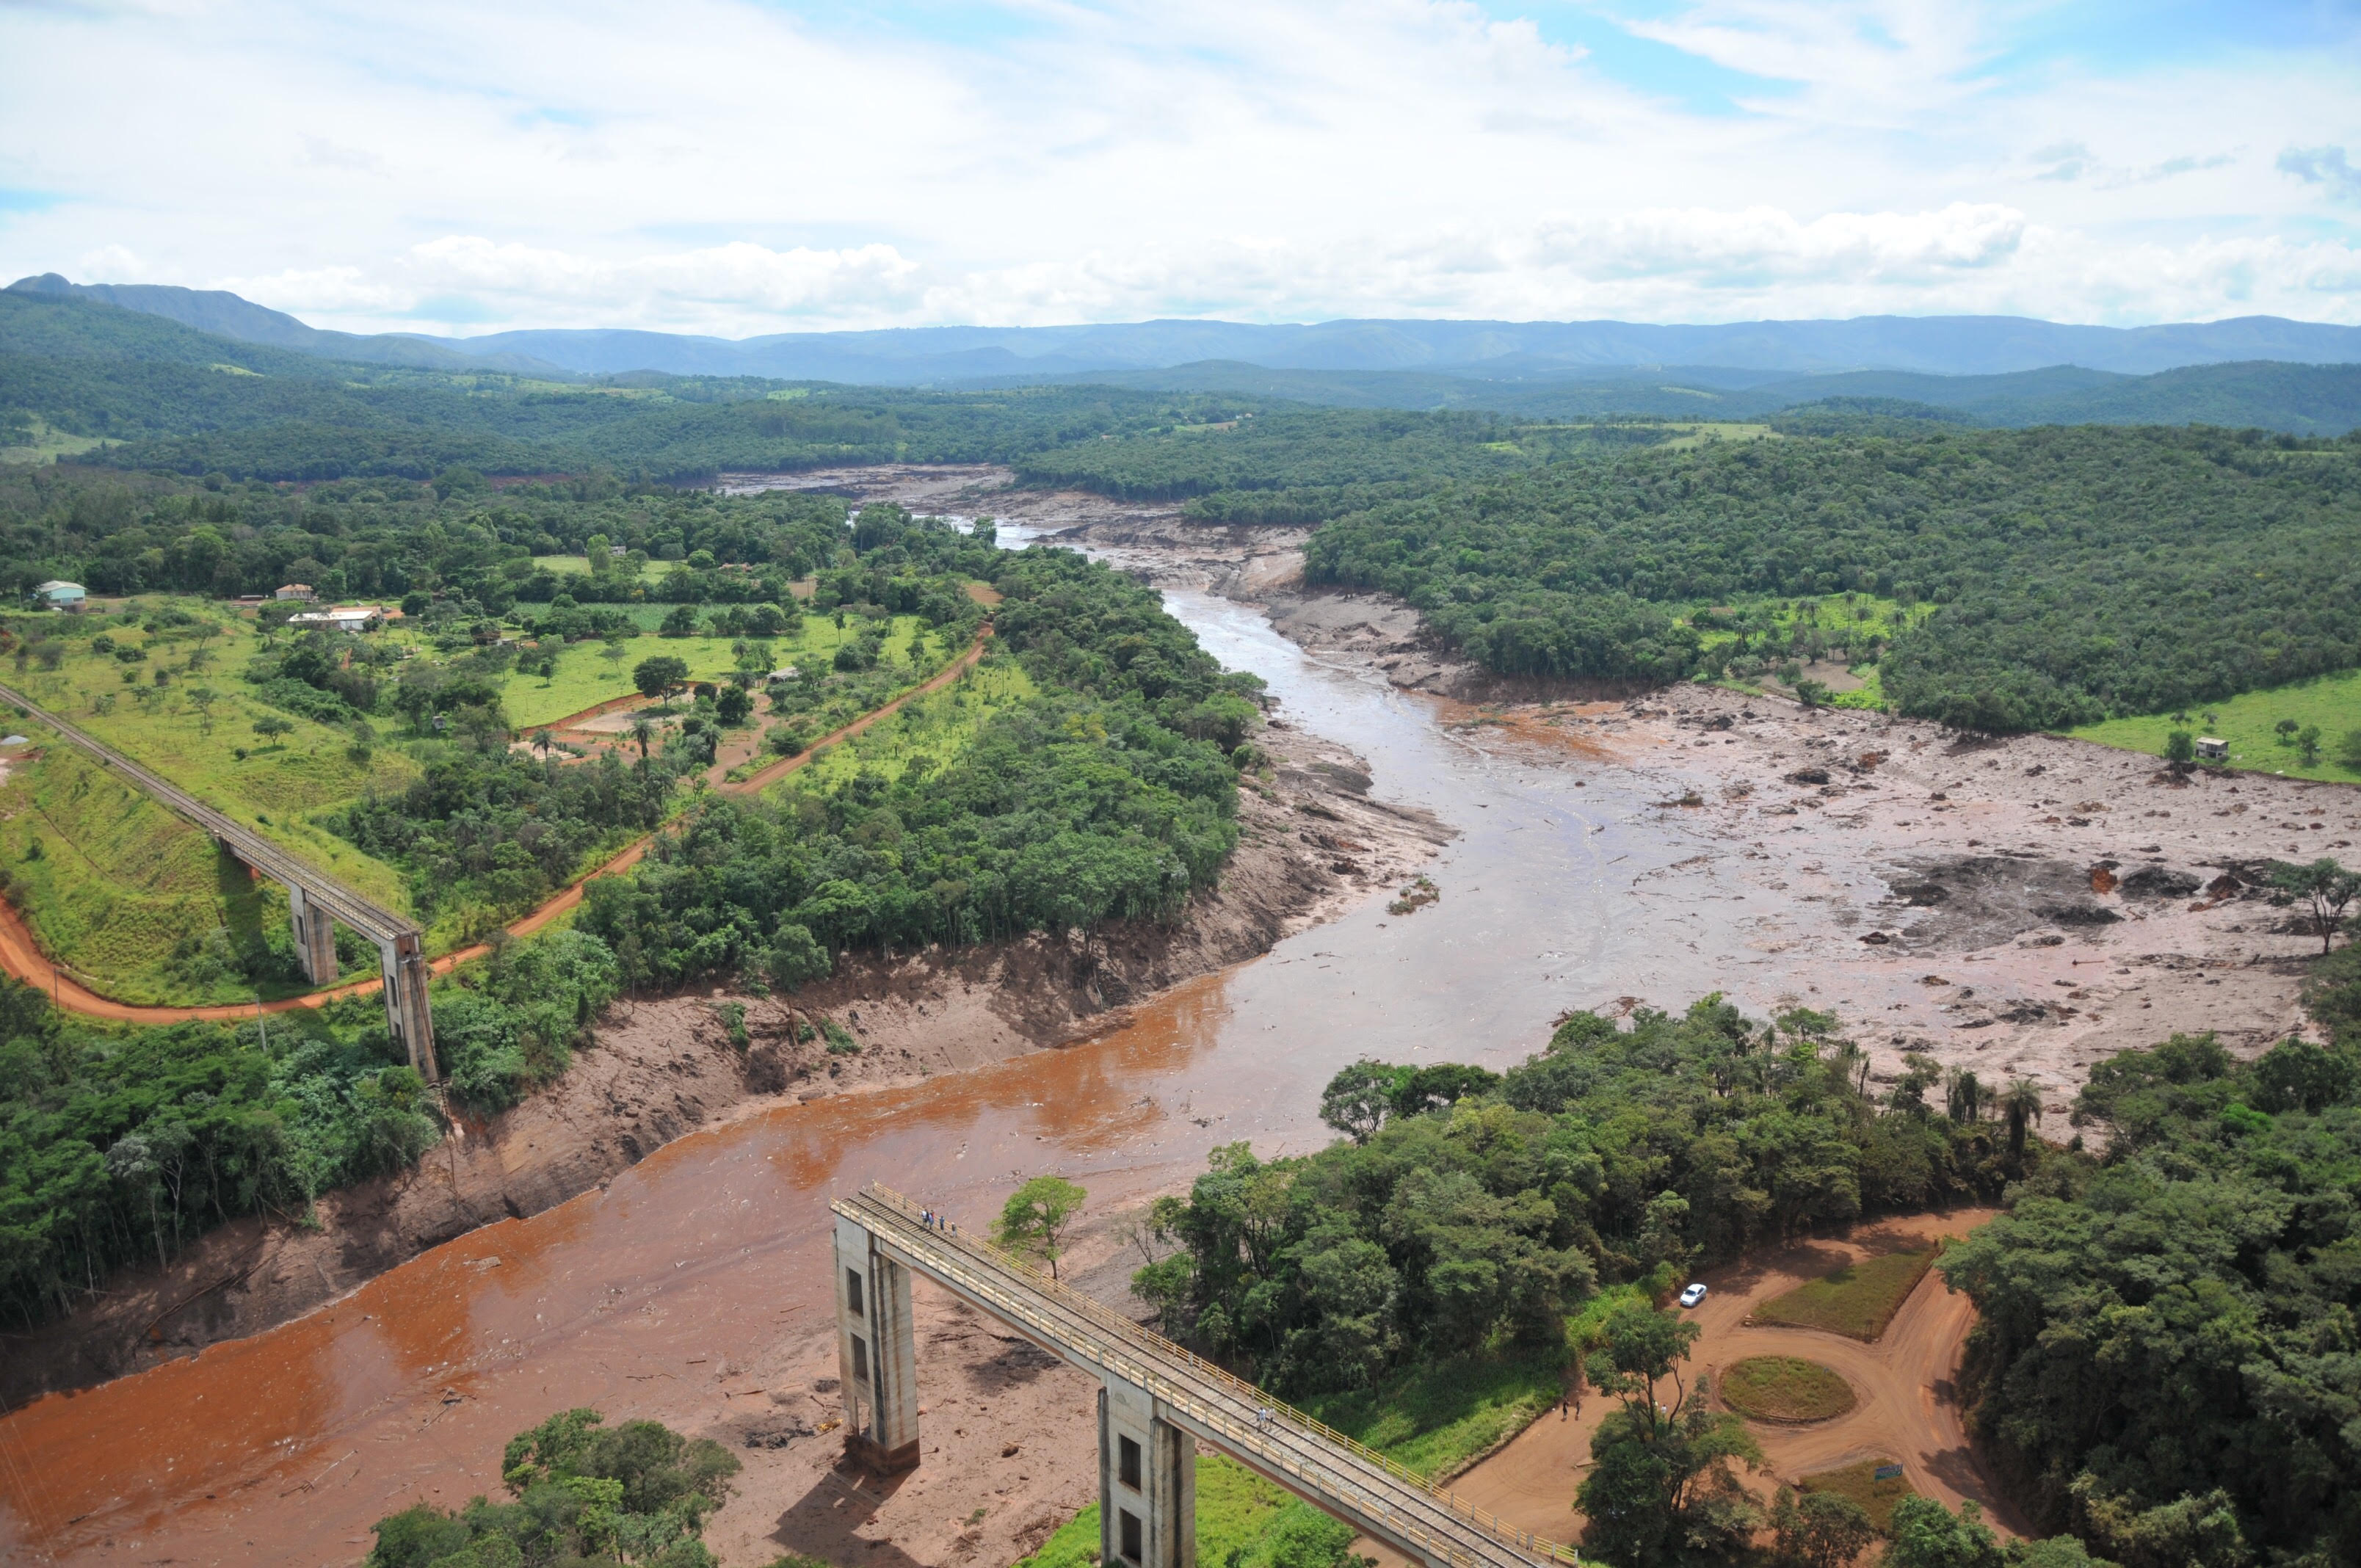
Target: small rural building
{"points": [[781, 677], [2211, 750], [357, 618], [295, 591], [59, 595]]}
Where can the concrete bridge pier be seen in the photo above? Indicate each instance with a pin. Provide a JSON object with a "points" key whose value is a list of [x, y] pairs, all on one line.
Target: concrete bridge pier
{"points": [[876, 1352], [402, 962], [1147, 1481], [315, 936]]}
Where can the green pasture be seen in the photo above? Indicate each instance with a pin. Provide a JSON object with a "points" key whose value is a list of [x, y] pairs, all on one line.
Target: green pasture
{"points": [[1242, 1521], [586, 677], [938, 727], [274, 788], [1857, 1300], [2247, 721], [579, 566]]}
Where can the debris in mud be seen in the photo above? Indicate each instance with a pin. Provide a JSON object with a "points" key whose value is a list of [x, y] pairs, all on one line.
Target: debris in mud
{"points": [[1415, 896], [1808, 776], [1877, 938], [2156, 882], [1980, 901]]}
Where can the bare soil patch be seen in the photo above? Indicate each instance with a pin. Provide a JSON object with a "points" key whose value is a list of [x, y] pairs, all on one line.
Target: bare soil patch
{"points": [[1785, 1389]]}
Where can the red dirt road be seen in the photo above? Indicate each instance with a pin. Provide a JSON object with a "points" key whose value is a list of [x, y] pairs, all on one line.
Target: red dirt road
{"points": [[1903, 1383], [21, 955]]}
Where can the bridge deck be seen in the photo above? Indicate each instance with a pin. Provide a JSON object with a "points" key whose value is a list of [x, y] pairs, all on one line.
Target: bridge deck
{"points": [[1317, 1463], [343, 904]]}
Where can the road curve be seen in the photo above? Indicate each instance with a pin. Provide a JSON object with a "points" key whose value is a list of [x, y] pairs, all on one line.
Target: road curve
{"points": [[1906, 1410], [21, 955]]}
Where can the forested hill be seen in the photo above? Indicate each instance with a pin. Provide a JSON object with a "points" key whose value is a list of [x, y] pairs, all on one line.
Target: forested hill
{"points": [[134, 391], [2073, 573]]}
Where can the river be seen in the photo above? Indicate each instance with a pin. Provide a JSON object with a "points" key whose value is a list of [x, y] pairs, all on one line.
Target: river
{"points": [[283, 1447]]}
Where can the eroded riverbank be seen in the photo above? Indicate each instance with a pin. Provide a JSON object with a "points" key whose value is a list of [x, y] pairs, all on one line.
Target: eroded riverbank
{"points": [[692, 1287]]}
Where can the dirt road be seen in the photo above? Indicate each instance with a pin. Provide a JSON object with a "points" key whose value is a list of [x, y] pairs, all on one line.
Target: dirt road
{"points": [[21, 954], [1903, 1383]]}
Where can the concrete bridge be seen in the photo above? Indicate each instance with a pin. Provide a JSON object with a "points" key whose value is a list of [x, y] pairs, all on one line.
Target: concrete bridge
{"points": [[320, 903], [1157, 1401]]}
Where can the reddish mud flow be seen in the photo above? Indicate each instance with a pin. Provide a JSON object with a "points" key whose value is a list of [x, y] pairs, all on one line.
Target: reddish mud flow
{"points": [[283, 1448]]}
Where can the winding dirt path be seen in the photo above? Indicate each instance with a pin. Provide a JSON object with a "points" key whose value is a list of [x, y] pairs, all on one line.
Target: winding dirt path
{"points": [[1906, 1410], [21, 954]]}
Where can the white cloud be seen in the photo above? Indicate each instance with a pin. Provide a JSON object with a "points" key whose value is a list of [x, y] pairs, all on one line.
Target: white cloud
{"points": [[523, 165]]}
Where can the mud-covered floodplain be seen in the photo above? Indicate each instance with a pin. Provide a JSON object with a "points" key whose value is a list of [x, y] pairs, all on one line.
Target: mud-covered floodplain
{"points": [[2023, 908]]}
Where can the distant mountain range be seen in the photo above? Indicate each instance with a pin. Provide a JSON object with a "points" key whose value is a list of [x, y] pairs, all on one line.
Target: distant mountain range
{"points": [[1460, 350], [48, 324]]}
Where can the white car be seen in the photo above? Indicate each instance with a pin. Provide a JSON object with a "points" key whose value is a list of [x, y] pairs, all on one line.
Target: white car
{"points": [[1693, 1295]]}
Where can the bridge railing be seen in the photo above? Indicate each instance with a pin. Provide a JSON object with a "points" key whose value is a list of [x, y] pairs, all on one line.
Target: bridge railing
{"points": [[1151, 1348]]}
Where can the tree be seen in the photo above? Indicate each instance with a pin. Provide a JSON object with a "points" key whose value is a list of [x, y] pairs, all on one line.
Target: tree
{"points": [[270, 727], [2327, 886], [1660, 1492], [1036, 1217], [1926, 1534], [1357, 1098], [2286, 729], [660, 677], [2306, 745], [795, 959], [678, 621], [1811, 693], [2020, 1103], [733, 706], [202, 699], [1820, 1529], [643, 734], [2179, 746], [2348, 751]]}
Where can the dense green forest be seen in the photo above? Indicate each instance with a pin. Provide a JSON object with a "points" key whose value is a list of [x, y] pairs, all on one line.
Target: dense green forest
{"points": [[1111, 794], [117, 1145], [1467, 1210], [2075, 572], [185, 401], [2167, 1354]]}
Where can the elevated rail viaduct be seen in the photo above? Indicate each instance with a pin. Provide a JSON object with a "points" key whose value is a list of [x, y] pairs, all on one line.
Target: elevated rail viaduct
{"points": [[1157, 1401], [320, 903]]}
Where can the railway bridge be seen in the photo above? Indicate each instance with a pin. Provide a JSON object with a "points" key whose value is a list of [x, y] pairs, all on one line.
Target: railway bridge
{"points": [[1157, 1401], [320, 903]]}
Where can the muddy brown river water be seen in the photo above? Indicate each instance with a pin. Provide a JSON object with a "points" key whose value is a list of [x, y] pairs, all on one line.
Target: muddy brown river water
{"points": [[282, 1448], [1570, 884]]}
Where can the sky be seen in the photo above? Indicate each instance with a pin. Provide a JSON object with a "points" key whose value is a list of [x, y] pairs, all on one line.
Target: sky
{"points": [[742, 167]]}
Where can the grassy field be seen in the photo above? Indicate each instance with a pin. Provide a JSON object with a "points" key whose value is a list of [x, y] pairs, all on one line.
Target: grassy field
{"points": [[274, 787], [1436, 1419], [2332, 702], [587, 678], [579, 566], [44, 445], [938, 727], [1857, 1300], [131, 899], [1859, 1483], [1785, 1389], [1242, 1521]]}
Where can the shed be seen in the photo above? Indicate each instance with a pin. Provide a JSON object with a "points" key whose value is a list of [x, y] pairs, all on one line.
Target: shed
{"points": [[59, 593], [2211, 750], [295, 591]]}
